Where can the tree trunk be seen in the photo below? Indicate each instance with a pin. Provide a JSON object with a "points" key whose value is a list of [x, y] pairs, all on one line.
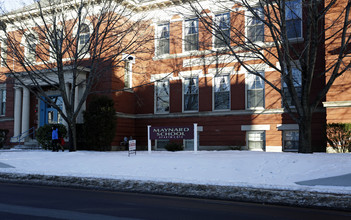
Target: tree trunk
{"points": [[72, 137], [305, 135]]}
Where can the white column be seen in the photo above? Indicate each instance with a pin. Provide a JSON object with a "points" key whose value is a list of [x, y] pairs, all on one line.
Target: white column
{"points": [[25, 109], [148, 139], [18, 110], [195, 137]]}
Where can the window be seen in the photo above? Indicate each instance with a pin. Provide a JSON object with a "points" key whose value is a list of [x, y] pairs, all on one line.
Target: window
{"points": [[163, 39], [222, 30], [255, 26], [293, 16], [31, 48], [162, 96], [191, 94], [3, 53], [2, 101], [221, 92], [296, 73], [191, 38], [128, 74], [256, 140], [84, 37], [291, 140], [255, 91]]}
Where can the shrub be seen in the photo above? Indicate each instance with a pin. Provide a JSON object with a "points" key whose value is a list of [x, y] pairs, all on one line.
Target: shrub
{"points": [[100, 123], [172, 146], [3, 137], [339, 137], [43, 134]]}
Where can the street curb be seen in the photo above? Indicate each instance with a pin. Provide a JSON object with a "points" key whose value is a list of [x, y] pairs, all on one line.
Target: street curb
{"points": [[233, 193]]}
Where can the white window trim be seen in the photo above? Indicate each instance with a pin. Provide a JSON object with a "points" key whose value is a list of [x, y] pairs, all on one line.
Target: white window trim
{"points": [[184, 34], [156, 53], [183, 76], [75, 30], [26, 49], [247, 15], [213, 35], [264, 140], [246, 90], [213, 92], [255, 127], [169, 95]]}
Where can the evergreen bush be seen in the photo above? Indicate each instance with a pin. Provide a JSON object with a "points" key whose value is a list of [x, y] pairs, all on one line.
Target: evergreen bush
{"points": [[43, 134], [339, 137], [100, 123], [3, 137], [172, 146]]}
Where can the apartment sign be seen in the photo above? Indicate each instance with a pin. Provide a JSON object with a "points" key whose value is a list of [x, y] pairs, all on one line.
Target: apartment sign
{"points": [[172, 132]]}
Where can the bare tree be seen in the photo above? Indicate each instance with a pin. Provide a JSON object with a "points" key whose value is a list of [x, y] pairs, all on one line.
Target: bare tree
{"points": [[289, 37], [66, 44]]}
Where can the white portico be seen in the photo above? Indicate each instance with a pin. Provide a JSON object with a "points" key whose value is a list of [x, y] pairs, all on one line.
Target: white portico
{"points": [[45, 114]]}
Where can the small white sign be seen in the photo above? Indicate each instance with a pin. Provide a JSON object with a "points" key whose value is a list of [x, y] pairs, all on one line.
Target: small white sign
{"points": [[132, 145]]}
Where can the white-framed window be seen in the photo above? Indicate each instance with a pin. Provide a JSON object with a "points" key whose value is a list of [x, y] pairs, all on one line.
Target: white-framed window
{"points": [[222, 30], [296, 74], [84, 39], [254, 25], [30, 50], [255, 93], [290, 140], [2, 100], [163, 39], [3, 53], [191, 34], [293, 17], [256, 140], [128, 71], [191, 94], [162, 96], [221, 92]]}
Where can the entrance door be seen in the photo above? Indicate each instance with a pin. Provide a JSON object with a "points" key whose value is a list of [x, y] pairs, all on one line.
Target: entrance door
{"points": [[48, 114]]}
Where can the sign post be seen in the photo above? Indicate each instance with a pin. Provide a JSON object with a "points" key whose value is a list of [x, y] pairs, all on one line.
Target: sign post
{"points": [[195, 137], [132, 147], [148, 139]]}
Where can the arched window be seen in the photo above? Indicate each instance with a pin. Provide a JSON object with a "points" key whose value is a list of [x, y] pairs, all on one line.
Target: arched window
{"points": [[83, 41], [30, 48]]}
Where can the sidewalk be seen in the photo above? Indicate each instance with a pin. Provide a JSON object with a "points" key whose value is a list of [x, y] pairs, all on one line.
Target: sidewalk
{"points": [[309, 180]]}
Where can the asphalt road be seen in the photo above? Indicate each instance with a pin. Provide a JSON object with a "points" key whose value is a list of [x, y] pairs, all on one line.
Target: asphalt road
{"points": [[42, 202]]}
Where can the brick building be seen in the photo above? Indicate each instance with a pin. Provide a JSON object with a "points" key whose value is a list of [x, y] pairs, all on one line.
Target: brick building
{"points": [[189, 77]]}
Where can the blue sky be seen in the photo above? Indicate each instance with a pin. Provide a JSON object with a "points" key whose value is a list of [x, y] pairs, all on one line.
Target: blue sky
{"points": [[14, 4]]}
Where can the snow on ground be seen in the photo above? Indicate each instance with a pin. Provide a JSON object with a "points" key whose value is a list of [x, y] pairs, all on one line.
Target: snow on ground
{"points": [[230, 168]]}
